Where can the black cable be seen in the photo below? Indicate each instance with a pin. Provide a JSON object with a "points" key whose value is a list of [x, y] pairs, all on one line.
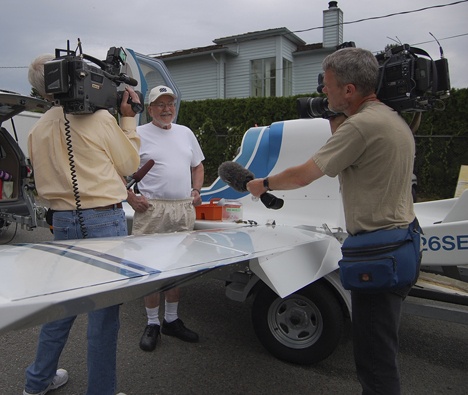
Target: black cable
{"points": [[5, 227], [71, 161], [381, 17]]}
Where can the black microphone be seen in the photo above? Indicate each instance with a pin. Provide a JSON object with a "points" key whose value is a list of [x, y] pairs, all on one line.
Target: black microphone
{"points": [[140, 173], [237, 177], [127, 79]]}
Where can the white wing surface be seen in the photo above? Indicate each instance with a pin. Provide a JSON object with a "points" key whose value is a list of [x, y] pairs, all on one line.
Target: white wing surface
{"points": [[47, 281]]}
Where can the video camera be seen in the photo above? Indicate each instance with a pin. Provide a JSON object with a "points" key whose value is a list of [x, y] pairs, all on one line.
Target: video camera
{"points": [[407, 83], [82, 88]]}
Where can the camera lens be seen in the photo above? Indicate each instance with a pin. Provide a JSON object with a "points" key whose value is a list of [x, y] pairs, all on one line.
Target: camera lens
{"points": [[318, 106], [312, 107]]}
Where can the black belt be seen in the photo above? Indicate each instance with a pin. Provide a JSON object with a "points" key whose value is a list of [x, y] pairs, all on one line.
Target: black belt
{"points": [[109, 207]]}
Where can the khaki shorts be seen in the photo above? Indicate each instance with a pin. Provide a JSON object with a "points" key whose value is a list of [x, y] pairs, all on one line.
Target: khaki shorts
{"points": [[165, 216]]}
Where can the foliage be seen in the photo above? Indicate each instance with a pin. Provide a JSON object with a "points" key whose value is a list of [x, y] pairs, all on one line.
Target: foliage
{"points": [[441, 140], [442, 146], [220, 124]]}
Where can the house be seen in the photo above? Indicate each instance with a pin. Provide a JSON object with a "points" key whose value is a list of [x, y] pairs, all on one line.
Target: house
{"points": [[273, 62]]}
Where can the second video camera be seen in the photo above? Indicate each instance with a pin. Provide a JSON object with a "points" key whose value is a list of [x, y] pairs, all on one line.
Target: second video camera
{"points": [[82, 88], [407, 83]]}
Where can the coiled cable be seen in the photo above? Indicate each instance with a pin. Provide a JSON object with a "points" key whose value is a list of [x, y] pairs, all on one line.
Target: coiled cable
{"points": [[71, 161]]}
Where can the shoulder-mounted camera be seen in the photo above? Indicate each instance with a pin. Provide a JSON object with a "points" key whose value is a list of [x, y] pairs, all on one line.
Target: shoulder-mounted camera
{"points": [[82, 84], [409, 81]]}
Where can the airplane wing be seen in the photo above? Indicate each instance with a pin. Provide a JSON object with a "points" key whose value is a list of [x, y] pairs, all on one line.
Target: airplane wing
{"points": [[51, 280]]}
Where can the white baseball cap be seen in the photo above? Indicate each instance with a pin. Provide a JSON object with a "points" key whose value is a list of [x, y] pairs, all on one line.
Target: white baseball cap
{"points": [[160, 90]]}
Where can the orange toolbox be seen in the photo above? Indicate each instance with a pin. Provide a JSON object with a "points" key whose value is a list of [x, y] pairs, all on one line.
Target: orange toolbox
{"points": [[210, 211]]}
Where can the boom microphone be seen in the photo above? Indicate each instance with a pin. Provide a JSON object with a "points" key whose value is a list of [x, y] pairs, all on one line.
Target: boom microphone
{"points": [[237, 177], [140, 173]]}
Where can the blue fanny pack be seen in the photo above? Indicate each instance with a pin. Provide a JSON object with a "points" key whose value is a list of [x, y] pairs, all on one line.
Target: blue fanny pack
{"points": [[381, 260]]}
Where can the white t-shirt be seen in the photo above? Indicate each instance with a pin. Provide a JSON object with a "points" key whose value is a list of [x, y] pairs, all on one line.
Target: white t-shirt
{"points": [[174, 151]]}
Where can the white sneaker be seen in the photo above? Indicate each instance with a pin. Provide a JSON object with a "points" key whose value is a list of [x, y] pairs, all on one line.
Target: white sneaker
{"points": [[60, 378]]}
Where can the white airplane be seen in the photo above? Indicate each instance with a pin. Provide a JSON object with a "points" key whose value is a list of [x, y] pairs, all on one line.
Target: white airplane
{"points": [[286, 258]]}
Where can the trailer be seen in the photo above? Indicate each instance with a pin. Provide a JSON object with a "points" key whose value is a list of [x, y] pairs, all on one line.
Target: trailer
{"points": [[305, 325]]}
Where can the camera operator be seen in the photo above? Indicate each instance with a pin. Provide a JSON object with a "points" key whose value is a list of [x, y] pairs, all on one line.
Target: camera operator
{"points": [[372, 151], [103, 153]]}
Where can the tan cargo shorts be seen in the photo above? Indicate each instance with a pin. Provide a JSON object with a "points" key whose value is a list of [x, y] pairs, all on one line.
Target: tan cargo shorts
{"points": [[165, 216]]}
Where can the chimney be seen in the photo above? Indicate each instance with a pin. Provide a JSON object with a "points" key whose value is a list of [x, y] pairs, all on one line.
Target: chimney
{"points": [[333, 25]]}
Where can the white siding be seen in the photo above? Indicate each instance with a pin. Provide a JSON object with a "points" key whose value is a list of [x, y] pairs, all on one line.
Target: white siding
{"points": [[197, 78], [285, 50], [333, 31], [306, 69]]}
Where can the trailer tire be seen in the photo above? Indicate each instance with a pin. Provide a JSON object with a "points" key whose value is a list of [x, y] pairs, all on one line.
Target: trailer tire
{"points": [[303, 328]]}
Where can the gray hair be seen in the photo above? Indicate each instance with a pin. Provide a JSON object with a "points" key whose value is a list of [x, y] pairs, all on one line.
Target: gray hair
{"points": [[36, 73], [355, 66]]}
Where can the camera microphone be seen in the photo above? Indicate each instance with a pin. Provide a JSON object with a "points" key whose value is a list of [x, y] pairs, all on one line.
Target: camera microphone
{"points": [[128, 80], [140, 173], [237, 177]]}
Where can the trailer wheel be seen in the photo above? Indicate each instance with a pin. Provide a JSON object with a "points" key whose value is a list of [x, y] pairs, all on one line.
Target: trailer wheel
{"points": [[303, 328]]}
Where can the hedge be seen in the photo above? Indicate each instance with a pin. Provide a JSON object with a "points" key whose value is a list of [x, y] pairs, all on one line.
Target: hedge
{"points": [[441, 140]]}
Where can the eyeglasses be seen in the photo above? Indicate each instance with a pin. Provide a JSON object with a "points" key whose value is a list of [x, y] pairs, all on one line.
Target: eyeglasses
{"points": [[162, 106]]}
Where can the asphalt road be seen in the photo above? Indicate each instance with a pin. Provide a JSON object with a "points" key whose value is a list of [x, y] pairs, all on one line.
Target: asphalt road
{"points": [[229, 359]]}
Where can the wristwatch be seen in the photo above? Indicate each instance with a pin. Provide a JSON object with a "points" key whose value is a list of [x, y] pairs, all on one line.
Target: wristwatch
{"points": [[266, 184]]}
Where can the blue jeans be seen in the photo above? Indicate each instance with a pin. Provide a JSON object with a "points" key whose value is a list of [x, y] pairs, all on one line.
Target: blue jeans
{"points": [[376, 321], [103, 324]]}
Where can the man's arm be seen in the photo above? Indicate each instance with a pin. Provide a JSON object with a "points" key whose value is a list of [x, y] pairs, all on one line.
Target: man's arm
{"points": [[138, 203], [291, 178], [198, 176], [122, 141], [127, 119]]}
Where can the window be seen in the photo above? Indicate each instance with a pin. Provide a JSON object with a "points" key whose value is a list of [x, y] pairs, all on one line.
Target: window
{"points": [[263, 77], [287, 78]]}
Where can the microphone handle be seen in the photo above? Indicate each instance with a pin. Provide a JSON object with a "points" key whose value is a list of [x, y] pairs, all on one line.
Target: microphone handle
{"points": [[269, 201], [131, 183]]}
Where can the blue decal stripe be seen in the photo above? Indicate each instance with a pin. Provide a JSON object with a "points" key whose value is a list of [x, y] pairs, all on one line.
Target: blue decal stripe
{"points": [[111, 258], [108, 257], [259, 153], [54, 249]]}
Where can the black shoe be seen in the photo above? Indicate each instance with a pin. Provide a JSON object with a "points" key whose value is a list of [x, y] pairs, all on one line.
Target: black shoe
{"points": [[178, 329], [150, 337]]}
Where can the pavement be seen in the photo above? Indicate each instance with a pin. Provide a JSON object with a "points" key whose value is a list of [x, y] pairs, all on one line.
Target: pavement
{"points": [[229, 359]]}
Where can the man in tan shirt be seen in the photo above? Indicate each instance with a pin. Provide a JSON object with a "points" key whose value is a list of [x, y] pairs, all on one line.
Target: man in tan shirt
{"points": [[372, 151]]}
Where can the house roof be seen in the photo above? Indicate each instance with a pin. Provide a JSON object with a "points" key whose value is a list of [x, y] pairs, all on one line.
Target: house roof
{"points": [[188, 53], [280, 31], [308, 48], [219, 46]]}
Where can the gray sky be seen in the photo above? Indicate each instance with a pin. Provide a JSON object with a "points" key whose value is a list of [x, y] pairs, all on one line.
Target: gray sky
{"points": [[31, 27]]}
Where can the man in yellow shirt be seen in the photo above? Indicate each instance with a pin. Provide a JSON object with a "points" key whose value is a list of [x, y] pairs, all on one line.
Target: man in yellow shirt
{"points": [[79, 163]]}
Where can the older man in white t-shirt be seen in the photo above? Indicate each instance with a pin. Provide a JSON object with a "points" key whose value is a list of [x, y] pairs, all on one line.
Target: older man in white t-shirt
{"points": [[169, 192]]}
